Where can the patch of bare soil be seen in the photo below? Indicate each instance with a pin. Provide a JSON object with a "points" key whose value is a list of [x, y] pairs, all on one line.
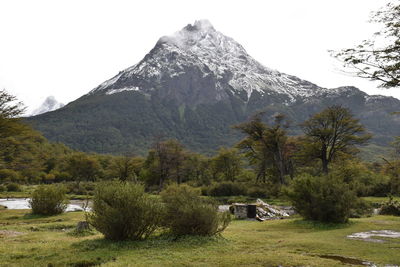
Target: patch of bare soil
{"points": [[7, 233]]}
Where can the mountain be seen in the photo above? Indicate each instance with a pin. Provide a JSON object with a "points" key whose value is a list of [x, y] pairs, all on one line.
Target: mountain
{"points": [[49, 104], [193, 86]]}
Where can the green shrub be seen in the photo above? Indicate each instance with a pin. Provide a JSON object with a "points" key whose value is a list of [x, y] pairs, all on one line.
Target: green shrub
{"points": [[361, 208], [324, 198], [123, 211], [205, 190], [3, 188], [391, 207], [83, 188], [61, 176], [395, 184], [48, 200], [9, 175], [227, 189], [187, 213], [257, 192], [381, 189], [363, 181], [13, 187]]}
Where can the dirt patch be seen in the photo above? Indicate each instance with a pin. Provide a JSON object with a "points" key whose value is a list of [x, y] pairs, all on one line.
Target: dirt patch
{"points": [[7, 233], [346, 260]]}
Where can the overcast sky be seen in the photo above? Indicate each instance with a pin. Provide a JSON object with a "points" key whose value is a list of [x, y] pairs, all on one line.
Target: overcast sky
{"points": [[66, 48]]}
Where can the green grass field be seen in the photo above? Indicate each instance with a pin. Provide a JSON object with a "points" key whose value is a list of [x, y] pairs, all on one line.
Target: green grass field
{"points": [[379, 200], [27, 240]]}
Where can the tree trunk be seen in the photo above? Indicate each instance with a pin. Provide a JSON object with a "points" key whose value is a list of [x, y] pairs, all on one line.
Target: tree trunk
{"points": [[161, 184], [324, 160], [325, 166]]}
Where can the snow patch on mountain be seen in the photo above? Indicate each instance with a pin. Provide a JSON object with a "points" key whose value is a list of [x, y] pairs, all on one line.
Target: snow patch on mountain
{"points": [[50, 104], [114, 91], [374, 98]]}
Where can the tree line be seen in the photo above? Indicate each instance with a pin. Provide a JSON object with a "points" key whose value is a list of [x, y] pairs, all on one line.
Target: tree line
{"points": [[266, 156]]}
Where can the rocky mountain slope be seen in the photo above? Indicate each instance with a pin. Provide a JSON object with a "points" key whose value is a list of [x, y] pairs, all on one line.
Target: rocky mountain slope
{"points": [[193, 86]]}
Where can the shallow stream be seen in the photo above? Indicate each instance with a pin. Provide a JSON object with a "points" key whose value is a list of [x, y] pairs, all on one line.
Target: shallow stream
{"points": [[23, 204]]}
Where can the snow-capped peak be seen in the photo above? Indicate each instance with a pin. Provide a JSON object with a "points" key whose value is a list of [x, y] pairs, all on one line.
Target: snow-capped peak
{"points": [[202, 36], [200, 47], [190, 34], [49, 104], [203, 24]]}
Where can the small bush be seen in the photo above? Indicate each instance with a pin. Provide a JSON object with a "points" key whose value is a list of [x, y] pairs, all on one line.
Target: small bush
{"points": [[227, 189], [9, 175], [391, 207], [83, 188], [13, 187], [48, 200], [189, 214], [395, 184], [380, 189], [205, 191], [361, 208], [123, 211], [3, 188], [325, 198], [362, 180], [257, 192]]}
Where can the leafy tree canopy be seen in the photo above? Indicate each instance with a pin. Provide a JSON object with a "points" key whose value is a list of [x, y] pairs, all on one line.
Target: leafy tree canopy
{"points": [[331, 132], [377, 58], [10, 109]]}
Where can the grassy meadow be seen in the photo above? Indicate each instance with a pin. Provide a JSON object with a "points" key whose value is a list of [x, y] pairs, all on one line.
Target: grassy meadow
{"points": [[28, 240]]}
